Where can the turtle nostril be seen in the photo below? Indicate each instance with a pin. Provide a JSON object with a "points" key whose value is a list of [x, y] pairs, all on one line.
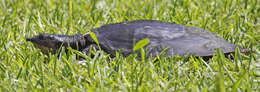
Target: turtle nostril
{"points": [[28, 39]]}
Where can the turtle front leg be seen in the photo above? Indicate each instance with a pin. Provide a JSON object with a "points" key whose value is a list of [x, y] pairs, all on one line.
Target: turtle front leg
{"points": [[90, 50]]}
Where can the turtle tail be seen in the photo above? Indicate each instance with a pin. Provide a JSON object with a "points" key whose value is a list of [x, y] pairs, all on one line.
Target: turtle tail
{"points": [[245, 51]]}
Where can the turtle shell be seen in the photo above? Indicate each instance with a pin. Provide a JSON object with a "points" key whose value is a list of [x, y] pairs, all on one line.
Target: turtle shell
{"points": [[176, 39]]}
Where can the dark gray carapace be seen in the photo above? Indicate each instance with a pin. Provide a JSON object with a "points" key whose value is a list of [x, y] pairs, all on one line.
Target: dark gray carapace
{"points": [[179, 40]]}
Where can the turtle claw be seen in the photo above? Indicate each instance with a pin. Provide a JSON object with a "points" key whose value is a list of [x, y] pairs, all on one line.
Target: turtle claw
{"points": [[89, 50]]}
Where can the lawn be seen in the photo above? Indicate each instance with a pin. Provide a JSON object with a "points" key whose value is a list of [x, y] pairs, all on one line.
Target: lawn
{"points": [[24, 68]]}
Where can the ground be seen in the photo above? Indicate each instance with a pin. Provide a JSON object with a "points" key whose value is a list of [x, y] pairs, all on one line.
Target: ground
{"points": [[24, 68]]}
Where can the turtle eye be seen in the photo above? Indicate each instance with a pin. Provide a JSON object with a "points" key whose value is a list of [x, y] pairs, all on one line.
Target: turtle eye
{"points": [[51, 37]]}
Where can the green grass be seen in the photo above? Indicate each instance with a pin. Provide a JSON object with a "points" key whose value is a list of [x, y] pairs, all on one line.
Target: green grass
{"points": [[24, 68]]}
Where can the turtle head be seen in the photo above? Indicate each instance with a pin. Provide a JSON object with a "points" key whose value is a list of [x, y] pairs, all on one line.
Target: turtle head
{"points": [[46, 42], [52, 43]]}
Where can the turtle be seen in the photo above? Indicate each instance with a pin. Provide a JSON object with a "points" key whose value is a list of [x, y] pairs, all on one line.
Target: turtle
{"points": [[173, 39]]}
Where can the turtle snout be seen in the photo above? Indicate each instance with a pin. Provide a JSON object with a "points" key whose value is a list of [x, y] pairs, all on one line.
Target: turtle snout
{"points": [[33, 40], [28, 39], [39, 37]]}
